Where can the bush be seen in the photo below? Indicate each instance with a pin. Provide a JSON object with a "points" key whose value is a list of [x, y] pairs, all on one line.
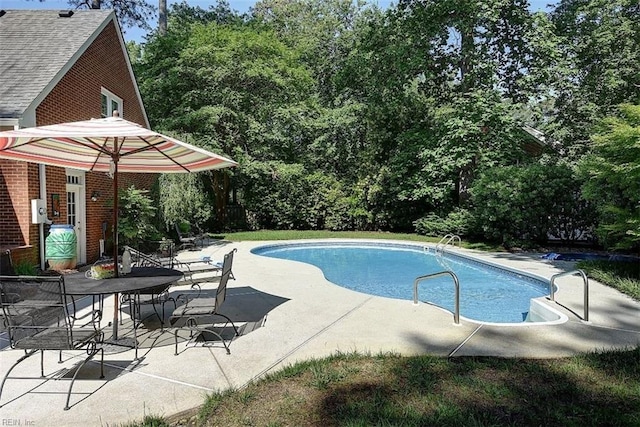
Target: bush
{"points": [[516, 203], [456, 222], [136, 217], [284, 196]]}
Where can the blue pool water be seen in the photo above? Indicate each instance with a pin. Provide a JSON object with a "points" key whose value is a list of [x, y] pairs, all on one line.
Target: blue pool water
{"points": [[487, 293]]}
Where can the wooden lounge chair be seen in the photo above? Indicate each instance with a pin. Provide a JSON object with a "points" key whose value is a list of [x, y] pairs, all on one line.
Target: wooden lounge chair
{"points": [[198, 313], [38, 315]]}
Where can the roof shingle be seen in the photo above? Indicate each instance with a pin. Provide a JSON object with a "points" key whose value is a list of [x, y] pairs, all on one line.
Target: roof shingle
{"points": [[36, 45]]}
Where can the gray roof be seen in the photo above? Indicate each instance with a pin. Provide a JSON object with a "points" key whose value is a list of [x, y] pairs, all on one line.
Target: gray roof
{"points": [[37, 45]]}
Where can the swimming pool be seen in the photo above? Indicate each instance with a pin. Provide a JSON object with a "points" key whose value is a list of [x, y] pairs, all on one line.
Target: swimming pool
{"points": [[487, 293]]}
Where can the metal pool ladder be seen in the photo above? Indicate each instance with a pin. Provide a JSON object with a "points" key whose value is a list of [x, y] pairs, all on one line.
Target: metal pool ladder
{"points": [[449, 238], [585, 280], [456, 283]]}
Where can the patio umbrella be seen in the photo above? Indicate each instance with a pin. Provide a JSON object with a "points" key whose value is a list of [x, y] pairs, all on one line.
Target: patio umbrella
{"points": [[111, 145]]}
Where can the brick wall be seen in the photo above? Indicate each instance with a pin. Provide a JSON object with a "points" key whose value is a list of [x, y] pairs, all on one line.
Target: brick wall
{"points": [[17, 188], [76, 97], [78, 94]]}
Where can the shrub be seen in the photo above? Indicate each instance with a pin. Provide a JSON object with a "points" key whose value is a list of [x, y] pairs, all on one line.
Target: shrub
{"points": [[284, 196], [135, 217], [456, 222], [529, 203]]}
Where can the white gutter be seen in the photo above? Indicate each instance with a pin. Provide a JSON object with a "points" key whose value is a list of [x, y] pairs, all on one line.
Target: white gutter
{"points": [[42, 177]]}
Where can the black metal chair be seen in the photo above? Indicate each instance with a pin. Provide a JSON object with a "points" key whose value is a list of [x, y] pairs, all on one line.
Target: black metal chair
{"points": [[188, 240], [198, 312], [195, 271], [38, 315]]}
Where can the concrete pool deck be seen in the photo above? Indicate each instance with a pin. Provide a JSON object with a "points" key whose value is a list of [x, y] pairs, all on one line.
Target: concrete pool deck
{"points": [[288, 312]]}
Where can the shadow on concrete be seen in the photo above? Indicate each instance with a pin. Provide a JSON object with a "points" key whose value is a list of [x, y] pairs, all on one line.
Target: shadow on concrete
{"points": [[246, 306], [87, 381]]}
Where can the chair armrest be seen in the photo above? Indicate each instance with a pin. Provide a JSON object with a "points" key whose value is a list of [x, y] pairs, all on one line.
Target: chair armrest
{"points": [[196, 290], [11, 297]]}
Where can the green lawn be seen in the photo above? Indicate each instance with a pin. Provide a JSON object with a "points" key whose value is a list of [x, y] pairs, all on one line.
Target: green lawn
{"points": [[599, 389]]}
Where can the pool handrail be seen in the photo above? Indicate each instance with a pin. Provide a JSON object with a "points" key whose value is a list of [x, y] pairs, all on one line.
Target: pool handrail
{"points": [[449, 238], [456, 283], [585, 280]]}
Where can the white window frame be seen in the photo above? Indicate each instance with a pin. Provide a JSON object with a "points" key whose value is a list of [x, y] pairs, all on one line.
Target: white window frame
{"points": [[111, 98]]}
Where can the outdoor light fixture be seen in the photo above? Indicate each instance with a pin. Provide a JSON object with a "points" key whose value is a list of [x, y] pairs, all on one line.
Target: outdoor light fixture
{"points": [[94, 196]]}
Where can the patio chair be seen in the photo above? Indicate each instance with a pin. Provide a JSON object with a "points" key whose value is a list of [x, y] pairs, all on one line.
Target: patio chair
{"points": [[192, 269], [198, 313], [194, 273], [38, 315], [152, 296], [187, 266], [188, 240]]}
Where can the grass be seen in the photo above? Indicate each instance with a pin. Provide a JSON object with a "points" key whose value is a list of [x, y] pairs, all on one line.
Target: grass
{"points": [[623, 276], [323, 234], [350, 389], [390, 390]]}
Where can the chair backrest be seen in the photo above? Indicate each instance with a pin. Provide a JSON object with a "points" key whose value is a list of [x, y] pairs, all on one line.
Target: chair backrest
{"points": [[221, 292], [33, 304], [140, 259]]}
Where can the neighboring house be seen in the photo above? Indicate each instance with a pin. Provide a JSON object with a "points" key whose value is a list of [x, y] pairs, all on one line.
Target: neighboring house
{"points": [[55, 67]]}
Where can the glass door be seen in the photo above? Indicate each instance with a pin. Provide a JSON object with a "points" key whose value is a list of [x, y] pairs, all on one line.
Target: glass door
{"points": [[76, 211]]}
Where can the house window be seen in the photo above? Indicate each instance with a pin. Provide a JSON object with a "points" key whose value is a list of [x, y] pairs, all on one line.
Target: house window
{"points": [[110, 103]]}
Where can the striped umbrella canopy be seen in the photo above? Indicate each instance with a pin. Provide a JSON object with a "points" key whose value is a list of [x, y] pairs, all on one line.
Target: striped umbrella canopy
{"points": [[100, 145], [110, 145]]}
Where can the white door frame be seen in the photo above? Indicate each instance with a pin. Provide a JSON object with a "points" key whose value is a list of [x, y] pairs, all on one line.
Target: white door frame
{"points": [[76, 186]]}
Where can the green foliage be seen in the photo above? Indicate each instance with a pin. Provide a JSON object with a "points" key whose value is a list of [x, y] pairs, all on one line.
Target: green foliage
{"points": [[221, 82], [613, 178], [286, 196], [344, 116], [25, 268], [623, 276], [599, 41], [183, 199], [136, 215], [457, 222], [149, 421], [517, 203]]}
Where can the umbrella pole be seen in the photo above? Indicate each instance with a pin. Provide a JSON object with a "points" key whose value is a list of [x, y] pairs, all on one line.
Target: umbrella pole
{"points": [[115, 241]]}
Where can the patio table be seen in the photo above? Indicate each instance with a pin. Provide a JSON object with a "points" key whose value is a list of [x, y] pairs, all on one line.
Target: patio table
{"points": [[139, 280]]}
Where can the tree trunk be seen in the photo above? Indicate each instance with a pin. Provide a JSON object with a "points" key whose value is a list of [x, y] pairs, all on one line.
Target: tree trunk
{"points": [[162, 17]]}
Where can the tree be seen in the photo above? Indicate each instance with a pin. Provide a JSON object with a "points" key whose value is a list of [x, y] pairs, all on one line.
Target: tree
{"points": [[468, 44], [130, 13], [162, 17], [183, 199], [321, 31], [438, 82], [135, 218], [222, 82], [612, 170], [600, 40]]}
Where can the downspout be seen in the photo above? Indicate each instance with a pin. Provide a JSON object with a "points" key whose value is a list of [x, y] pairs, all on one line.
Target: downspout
{"points": [[42, 175]]}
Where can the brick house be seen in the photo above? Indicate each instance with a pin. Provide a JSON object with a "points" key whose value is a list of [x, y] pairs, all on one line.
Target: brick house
{"points": [[55, 67]]}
